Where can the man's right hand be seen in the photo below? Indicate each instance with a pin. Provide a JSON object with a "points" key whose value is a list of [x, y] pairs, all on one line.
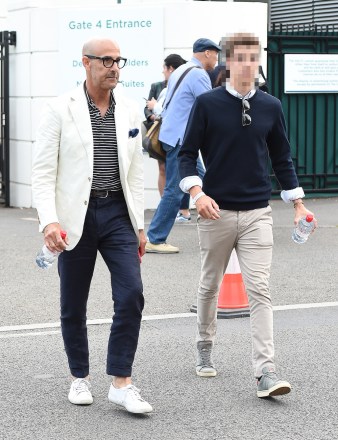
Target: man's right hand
{"points": [[151, 104], [53, 240], [207, 208]]}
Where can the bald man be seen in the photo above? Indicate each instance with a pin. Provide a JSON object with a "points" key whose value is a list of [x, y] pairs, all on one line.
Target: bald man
{"points": [[88, 180]]}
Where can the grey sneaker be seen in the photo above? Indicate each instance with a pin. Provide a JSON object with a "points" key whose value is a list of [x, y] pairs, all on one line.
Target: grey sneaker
{"points": [[204, 365], [270, 385]]}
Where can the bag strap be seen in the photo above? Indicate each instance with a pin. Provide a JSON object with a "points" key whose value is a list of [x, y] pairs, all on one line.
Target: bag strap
{"points": [[262, 73], [180, 79]]}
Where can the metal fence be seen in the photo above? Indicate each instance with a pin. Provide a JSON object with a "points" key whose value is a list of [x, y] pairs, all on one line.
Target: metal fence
{"points": [[312, 118], [6, 39]]}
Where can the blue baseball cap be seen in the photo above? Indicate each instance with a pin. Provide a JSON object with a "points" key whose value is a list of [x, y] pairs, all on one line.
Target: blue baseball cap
{"points": [[203, 44]]}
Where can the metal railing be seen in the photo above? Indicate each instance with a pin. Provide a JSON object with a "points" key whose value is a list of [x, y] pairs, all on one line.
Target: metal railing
{"points": [[7, 39], [311, 118]]}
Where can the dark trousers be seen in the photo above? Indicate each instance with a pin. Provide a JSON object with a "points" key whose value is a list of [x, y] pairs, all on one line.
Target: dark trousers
{"points": [[107, 229]]}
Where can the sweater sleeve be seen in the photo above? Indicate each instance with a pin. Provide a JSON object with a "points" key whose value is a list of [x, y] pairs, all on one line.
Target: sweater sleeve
{"points": [[192, 142], [280, 152]]}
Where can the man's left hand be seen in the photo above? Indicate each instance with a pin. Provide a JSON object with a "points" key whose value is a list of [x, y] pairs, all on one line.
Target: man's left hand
{"points": [[301, 211], [142, 240]]}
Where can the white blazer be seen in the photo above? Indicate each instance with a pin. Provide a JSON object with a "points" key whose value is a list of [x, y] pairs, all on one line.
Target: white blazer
{"points": [[63, 162]]}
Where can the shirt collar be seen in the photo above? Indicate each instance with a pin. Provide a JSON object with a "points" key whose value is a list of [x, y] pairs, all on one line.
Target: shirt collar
{"points": [[238, 95], [91, 102], [196, 61]]}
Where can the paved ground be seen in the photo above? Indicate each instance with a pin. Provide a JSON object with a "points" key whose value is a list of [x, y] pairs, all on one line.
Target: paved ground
{"points": [[34, 379]]}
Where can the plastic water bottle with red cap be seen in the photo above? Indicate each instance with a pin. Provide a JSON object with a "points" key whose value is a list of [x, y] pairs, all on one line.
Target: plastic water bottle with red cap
{"points": [[303, 229], [45, 258]]}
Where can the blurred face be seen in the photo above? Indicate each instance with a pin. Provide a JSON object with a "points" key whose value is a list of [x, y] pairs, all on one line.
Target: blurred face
{"points": [[244, 64], [167, 71], [98, 76]]}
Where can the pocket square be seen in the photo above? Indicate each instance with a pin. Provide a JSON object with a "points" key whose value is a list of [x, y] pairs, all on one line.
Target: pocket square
{"points": [[133, 132]]}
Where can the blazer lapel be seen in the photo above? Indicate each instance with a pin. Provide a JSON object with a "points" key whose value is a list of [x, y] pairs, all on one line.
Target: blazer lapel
{"points": [[79, 109], [122, 130]]}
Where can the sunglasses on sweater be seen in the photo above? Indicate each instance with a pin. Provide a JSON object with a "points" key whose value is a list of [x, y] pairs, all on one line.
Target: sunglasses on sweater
{"points": [[246, 119]]}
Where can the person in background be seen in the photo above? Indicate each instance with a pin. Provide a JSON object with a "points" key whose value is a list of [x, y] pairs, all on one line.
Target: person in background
{"points": [[175, 117], [89, 182], [171, 63], [217, 76], [155, 91], [154, 105], [237, 128]]}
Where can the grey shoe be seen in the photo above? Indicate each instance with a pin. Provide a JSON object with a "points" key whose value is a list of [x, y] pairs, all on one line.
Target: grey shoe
{"points": [[270, 385], [204, 365]]}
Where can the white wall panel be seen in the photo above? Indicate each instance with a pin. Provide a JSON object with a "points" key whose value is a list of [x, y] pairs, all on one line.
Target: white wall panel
{"points": [[20, 75], [19, 21], [222, 22], [44, 71], [21, 162], [44, 30], [20, 195], [20, 119]]}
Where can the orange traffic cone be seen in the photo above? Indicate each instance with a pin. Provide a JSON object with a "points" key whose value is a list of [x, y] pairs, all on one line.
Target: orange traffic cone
{"points": [[232, 299]]}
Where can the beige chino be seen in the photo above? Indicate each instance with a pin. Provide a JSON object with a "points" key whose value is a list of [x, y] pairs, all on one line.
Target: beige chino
{"points": [[250, 233]]}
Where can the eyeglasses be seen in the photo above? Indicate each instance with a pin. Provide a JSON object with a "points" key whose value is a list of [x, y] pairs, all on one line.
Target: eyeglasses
{"points": [[246, 119], [108, 62]]}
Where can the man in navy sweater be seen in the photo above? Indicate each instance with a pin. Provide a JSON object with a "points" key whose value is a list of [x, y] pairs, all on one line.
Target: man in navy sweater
{"points": [[237, 127]]}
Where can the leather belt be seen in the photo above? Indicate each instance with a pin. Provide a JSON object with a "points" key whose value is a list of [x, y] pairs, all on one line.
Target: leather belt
{"points": [[102, 193]]}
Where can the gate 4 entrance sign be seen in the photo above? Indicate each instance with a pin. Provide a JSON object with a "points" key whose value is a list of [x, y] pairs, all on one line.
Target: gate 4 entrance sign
{"points": [[311, 73], [138, 31]]}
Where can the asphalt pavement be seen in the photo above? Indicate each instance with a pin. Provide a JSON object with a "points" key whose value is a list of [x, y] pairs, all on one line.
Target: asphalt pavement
{"points": [[34, 379]]}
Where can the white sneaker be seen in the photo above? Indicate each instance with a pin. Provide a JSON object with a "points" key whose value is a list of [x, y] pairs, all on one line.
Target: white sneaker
{"points": [[180, 218], [79, 393], [162, 248], [130, 398]]}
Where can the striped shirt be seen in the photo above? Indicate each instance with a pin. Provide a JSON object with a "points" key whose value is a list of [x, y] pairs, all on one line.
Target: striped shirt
{"points": [[106, 174]]}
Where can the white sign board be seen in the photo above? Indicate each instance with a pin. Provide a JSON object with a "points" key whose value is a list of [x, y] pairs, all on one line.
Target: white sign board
{"points": [[139, 33], [311, 73]]}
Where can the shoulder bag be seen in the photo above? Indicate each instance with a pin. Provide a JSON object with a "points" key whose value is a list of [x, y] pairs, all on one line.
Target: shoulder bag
{"points": [[151, 142]]}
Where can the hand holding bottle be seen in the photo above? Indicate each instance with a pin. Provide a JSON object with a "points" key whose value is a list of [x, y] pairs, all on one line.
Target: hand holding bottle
{"points": [[303, 229], [301, 212], [305, 223], [55, 243], [53, 239]]}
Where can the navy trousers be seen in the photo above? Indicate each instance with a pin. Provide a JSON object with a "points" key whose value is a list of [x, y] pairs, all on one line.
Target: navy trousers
{"points": [[107, 229]]}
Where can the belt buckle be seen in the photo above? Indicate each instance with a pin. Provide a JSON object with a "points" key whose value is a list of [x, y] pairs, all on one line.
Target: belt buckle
{"points": [[104, 197]]}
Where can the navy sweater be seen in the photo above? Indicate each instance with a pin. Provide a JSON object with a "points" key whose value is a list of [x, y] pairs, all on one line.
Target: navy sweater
{"points": [[236, 157]]}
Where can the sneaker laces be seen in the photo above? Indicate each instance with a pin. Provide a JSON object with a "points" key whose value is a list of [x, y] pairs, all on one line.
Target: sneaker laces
{"points": [[205, 354], [135, 393], [81, 386], [270, 375]]}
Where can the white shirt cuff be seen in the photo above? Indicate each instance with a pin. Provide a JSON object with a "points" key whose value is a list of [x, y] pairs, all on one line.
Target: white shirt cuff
{"points": [[292, 194], [189, 182]]}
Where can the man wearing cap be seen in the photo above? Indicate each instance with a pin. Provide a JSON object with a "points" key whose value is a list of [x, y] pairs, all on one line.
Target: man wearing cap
{"points": [[175, 117]]}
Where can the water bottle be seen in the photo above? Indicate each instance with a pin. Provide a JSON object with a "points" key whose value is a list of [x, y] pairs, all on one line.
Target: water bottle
{"points": [[303, 229], [45, 258]]}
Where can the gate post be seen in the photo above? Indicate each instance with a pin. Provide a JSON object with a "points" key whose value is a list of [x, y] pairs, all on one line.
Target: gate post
{"points": [[7, 38]]}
